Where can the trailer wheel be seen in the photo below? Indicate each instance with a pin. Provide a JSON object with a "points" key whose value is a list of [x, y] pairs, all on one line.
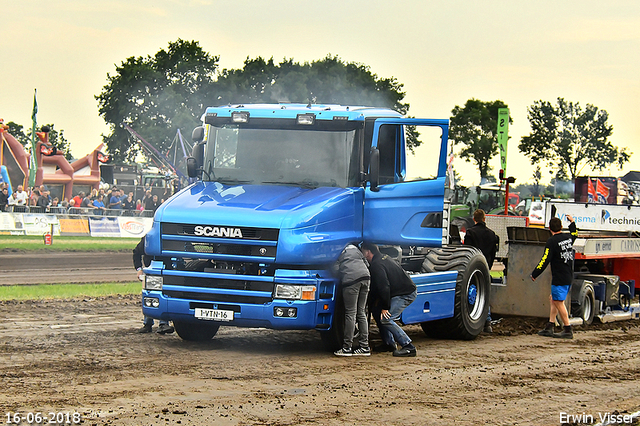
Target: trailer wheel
{"points": [[195, 332], [473, 287], [586, 307]]}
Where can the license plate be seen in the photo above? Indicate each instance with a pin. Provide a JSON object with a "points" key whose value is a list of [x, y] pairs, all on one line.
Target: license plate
{"points": [[214, 314]]}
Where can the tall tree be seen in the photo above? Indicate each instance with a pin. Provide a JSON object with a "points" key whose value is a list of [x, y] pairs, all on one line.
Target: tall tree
{"points": [[156, 95], [475, 127], [329, 80], [569, 138]]}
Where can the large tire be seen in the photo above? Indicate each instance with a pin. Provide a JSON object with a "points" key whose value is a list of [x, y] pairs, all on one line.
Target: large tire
{"points": [[333, 338], [195, 332], [473, 290], [586, 306]]}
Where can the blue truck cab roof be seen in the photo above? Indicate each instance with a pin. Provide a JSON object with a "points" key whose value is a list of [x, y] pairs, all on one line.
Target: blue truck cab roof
{"points": [[327, 112]]}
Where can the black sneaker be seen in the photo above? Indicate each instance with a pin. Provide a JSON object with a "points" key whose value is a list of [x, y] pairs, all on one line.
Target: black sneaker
{"points": [[408, 350], [362, 352], [164, 329], [145, 329], [487, 327], [343, 352], [384, 348]]}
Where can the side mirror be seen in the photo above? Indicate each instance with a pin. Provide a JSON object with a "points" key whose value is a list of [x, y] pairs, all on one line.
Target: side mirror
{"points": [[374, 168], [192, 167], [198, 134]]}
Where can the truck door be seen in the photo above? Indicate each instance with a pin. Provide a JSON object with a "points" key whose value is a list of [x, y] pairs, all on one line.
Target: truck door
{"points": [[407, 207]]}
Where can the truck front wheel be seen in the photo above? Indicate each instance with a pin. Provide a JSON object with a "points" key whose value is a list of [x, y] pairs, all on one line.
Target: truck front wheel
{"points": [[195, 332], [473, 287]]}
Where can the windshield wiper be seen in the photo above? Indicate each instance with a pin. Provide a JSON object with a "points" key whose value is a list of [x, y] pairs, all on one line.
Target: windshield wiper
{"points": [[307, 183], [230, 180]]}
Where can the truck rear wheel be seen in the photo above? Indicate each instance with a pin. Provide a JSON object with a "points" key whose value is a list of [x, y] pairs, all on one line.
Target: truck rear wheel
{"points": [[195, 332], [473, 287], [585, 308]]}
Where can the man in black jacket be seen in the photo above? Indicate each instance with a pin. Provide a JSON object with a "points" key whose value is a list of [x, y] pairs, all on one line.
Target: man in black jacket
{"points": [[391, 292], [484, 239], [140, 259], [559, 253]]}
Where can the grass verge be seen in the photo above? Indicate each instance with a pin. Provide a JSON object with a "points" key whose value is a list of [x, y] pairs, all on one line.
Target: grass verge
{"points": [[34, 243], [67, 291]]}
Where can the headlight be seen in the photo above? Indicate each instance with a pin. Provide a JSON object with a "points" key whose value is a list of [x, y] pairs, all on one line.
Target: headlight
{"points": [[297, 292], [153, 282]]}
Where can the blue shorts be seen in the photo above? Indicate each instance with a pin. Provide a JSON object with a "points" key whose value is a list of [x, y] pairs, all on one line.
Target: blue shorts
{"points": [[559, 292]]}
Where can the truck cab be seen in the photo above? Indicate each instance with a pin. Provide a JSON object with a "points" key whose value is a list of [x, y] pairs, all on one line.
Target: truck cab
{"points": [[280, 191]]}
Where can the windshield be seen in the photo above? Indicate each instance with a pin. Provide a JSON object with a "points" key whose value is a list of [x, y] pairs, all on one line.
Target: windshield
{"points": [[307, 158]]}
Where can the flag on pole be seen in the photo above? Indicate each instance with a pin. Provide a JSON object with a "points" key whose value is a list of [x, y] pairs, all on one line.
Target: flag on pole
{"points": [[591, 192], [602, 192], [33, 165]]}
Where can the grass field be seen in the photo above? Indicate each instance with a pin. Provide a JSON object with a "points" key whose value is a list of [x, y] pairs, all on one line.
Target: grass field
{"points": [[32, 243], [67, 291]]}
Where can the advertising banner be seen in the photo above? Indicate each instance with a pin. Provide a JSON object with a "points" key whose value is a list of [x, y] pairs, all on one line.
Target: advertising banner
{"points": [[39, 224], [11, 224], [132, 227], [76, 227], [104, 227], [597, 217]]}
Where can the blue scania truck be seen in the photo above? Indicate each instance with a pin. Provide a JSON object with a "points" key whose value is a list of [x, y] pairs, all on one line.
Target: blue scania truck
{"points": [[279, 190]]}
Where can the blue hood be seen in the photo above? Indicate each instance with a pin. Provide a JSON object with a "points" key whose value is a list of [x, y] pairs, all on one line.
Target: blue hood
{"points": [[313, 223]]}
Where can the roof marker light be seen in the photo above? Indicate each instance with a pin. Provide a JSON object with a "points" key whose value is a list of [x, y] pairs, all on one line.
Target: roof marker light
{"points": [[306, 119]]}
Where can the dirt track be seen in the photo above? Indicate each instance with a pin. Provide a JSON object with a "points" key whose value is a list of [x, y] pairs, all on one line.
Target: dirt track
{"points": [[85, 356]]}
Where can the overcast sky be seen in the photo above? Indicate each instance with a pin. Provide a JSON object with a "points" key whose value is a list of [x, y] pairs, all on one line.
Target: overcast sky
{"points": [[443, 52]]}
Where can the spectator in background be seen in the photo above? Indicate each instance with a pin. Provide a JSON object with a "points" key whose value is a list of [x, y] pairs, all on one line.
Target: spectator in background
{"points": [[4, 197], [152, 203], [115, 202], [128, 203], [139, 206], [86, 203], [77, 200], [42, 201], [21, 196], [98, 203], [55, 202], [45, 191]]}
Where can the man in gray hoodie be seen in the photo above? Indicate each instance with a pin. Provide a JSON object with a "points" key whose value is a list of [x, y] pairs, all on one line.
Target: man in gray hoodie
{"points": [[355, 278]]}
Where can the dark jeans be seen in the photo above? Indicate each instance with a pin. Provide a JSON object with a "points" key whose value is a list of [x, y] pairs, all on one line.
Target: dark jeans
{"points": [[354, 297], [390, 330]]}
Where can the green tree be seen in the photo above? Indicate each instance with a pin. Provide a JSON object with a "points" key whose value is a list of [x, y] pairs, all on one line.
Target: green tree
{"points": [[475, 127], [17, 131], [156, 95], [329, 80], [569, 138]]}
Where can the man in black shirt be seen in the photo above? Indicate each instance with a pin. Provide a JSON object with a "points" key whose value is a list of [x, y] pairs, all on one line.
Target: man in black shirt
{"points": [[559, 253], [484, 239], [391, 292]]}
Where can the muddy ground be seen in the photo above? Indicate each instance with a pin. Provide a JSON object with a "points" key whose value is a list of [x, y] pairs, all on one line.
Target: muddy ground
{"points": [[85, 356]]}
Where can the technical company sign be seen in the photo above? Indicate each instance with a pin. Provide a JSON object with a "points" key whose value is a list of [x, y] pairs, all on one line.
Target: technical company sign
{"points": [[597, 217]]}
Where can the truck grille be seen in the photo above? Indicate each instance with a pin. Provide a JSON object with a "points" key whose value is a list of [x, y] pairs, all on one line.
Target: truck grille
{"points": [[206, 239], [214, 283]]}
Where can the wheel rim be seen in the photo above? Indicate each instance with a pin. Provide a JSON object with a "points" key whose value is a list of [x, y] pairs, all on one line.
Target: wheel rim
{"points": [[586, 309], [475, 295]]}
